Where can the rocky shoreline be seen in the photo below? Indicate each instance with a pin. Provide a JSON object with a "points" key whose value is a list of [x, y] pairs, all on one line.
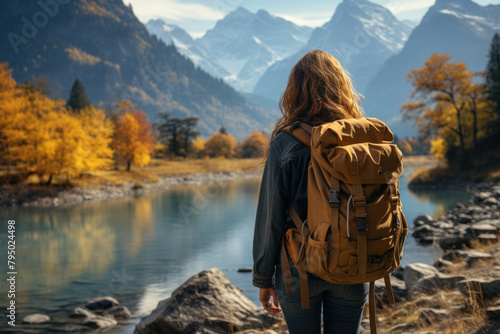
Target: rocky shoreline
{"points": [[43, 196]]}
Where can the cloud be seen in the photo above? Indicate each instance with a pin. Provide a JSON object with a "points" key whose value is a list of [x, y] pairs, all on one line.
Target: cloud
{"points": [[175, 10], [397, 7], [307, 19]]}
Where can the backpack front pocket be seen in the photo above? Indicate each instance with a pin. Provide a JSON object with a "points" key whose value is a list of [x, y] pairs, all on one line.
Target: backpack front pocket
{"points": [[317, 249]]}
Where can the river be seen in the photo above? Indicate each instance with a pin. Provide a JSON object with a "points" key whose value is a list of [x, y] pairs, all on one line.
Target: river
{"points": [[139, 250]]}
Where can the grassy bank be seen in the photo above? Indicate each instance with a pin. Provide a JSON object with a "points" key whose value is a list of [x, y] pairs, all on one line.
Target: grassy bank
{"points": [[153, 172]]}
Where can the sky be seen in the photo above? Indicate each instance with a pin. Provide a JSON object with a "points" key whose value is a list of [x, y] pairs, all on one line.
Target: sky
{"points": [[198, 16]]}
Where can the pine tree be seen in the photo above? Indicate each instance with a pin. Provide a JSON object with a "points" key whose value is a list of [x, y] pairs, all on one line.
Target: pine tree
{"points": [[77, 97], [493, 72]]}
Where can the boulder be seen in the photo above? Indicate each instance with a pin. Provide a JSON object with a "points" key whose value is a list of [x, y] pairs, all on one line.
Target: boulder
{"points": [[398, 288], [99, 322], [456, 242], [482, 228], [101, 303], [423, 219], [471, 254], [36, 318], [432, 284], [80, 312], [464, 218], [491, 201], [482, 196], [441, 263], [415, 271], [206, 303], [119, 312], [493, 312], [487, 290], [431, 316]]}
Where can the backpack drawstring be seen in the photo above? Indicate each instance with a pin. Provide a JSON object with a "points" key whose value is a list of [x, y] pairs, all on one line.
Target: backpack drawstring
{"points": [[347, 220]]}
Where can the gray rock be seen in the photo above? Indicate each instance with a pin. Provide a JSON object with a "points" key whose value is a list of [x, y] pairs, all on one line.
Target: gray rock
{"points": [[204, 303], [491, 201], [482, 196], [80, 312], [482, 228], [493, 312], [488, 290], [492, 222], [441, 263], [415, 271], [119, 312], [466, 253], [398, 288], [456, 242], [431, 315], [99, 322], [101, 304], [424, 219], [432, 284], [464, 218], [473, 209], [36, 318]]}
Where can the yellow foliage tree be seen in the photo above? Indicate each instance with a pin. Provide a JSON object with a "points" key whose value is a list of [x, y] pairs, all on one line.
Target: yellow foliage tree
{"points": [[97, 152], [42, 137], [254, 145], [446, 102], [132, 136], [198, 146], [220, 145]]}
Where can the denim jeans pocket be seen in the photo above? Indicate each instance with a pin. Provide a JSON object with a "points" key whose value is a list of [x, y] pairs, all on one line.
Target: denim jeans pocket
{"points": [[357, 291]]}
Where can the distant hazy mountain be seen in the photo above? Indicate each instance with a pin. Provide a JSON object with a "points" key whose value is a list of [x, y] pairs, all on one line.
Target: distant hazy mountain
{"points": [[460, 28], [245, 44], [102, 43], [171, 33], [361, 34]]}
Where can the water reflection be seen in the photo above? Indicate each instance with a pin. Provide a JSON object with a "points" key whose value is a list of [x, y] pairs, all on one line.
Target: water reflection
{"points": [[140, 249]]}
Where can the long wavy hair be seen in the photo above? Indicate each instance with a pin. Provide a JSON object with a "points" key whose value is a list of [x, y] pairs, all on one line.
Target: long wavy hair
{"points": [[319, 91]]}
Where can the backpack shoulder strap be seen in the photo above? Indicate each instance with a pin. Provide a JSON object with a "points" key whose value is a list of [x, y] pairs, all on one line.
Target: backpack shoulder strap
{"points": [[300, 130]]}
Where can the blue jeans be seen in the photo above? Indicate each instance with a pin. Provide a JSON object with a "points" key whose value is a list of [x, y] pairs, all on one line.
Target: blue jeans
{"points": [[342, 305]]}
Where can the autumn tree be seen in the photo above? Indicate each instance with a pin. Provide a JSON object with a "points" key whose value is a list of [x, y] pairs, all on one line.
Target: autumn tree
{"points": [[78, 97], [447, 103], [11, 116], [220, 145], [132, 140], [254, 145]]}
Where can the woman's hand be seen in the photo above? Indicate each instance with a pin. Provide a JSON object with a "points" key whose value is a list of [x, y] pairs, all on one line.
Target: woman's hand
{"points": [[265, 298]]}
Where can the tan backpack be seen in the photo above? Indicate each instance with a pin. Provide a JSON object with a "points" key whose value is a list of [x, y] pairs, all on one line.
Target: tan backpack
{"points": [[355, 228]]}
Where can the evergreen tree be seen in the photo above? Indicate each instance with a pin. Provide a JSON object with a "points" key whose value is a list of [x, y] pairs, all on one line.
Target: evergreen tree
{"points": [[493, 72], [171, 131], [189, 132], [77, 97]]}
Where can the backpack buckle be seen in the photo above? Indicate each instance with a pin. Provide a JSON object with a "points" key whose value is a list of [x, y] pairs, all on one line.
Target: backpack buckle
{"points": [[334, 198], [362, 226]]}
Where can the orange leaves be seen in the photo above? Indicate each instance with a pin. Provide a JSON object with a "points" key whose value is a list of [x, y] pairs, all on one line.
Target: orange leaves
{"points": [[446, 103], [254, 145], [220, 145], [132, 141]]}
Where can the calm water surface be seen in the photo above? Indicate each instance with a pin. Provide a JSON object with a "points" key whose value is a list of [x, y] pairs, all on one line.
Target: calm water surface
{"points": [[139, 250]]}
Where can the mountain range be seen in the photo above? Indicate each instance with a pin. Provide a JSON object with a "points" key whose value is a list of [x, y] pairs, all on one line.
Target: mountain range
{"points": [[115, 56], [240, 47], [102, 43], [360, 34]]}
